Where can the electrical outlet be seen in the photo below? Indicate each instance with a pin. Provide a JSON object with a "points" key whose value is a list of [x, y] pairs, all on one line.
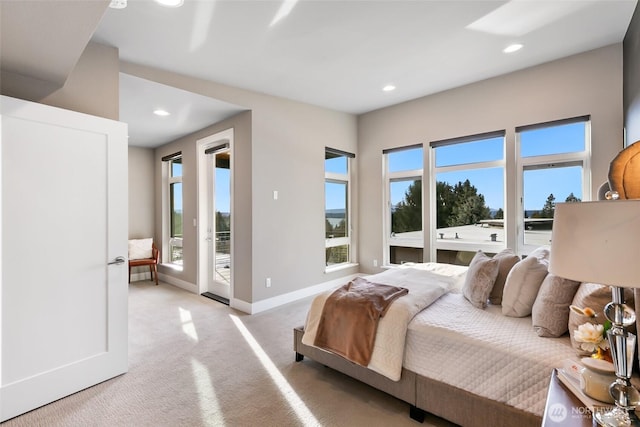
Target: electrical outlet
{"points": [[375, 262], [267, 282]]}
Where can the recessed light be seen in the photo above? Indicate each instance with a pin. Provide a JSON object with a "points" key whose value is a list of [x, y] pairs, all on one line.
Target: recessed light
{"points": [[161, 112], [389, 88], [170, 3], [512, 48], [118, 4]]}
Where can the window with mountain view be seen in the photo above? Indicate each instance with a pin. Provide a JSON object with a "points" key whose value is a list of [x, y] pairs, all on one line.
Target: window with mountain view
{"points": [[337, 212], [172, 209], [469, 195], [404, 214], [553, 157]]}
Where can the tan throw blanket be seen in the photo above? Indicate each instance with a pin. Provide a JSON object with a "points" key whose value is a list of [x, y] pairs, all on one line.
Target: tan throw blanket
{"points": [[349, 320], [388, 350]]}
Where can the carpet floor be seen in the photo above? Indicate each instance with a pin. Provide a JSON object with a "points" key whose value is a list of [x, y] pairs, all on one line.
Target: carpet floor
{"points": [[196, 362]]}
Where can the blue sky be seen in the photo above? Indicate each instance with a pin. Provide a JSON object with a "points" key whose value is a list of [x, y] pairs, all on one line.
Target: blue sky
{"points": [[223, 189], [538, 184]]}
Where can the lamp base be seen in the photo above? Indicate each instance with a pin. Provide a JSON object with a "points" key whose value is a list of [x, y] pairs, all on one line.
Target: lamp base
{"points": [[617, 417]]}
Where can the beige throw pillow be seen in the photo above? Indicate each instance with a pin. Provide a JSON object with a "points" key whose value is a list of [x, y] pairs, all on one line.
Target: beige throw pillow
{"points": [[523, 282], [506, 260], [550, 312], [479, 280]]}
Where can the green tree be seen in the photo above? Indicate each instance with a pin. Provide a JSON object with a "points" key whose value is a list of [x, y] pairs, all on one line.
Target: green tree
{"points": [[445, 200], [549, 207], [339, 230], [407, 215], [222, 222], [499, 214], [328, 229], [469, 206], [572, 198]]}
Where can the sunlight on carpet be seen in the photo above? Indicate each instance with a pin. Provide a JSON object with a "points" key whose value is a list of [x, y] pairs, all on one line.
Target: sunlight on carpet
{"points": [[206, 394], [187, 324], [302, 412]]}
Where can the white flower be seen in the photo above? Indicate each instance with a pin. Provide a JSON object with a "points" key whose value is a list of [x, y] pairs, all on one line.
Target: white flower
{"points": [[591, 337]]}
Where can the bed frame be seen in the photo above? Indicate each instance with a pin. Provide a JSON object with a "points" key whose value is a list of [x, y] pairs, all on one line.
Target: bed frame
{"points": [[424, 394]]}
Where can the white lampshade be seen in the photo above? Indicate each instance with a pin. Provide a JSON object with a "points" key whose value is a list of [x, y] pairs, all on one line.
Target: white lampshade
{"points": [[597, 242]]}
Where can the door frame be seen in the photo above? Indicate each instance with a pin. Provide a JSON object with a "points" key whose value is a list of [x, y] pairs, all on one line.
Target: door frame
{"points": [[203, 220]]}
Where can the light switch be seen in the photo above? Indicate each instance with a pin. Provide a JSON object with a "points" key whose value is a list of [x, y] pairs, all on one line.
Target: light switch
{"points": [[275, 194]]}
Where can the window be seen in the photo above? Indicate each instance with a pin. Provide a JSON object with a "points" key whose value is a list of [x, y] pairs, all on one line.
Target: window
{"points": [[469, 196], [173, 217], [554, 165], [404, 237], [337, 212]]}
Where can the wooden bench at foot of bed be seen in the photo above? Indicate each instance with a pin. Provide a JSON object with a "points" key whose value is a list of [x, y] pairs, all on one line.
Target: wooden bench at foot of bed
{"points": [[424, 394]]}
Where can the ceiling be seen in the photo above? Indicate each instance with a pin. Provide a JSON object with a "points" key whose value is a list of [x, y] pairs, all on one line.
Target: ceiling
{"points": [[335, 54]]}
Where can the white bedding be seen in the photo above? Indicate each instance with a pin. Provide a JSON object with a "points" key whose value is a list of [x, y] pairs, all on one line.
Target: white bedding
{"points": [[483, 352], [425, 286]]}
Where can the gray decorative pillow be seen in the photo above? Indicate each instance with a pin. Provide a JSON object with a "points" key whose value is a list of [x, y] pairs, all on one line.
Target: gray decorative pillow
{"points": [[506, 260], [479, 280], [523, 282], [550, 313]]}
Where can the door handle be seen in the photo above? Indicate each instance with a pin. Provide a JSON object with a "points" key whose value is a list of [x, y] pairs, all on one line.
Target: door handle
{"points": [[118, 261]]}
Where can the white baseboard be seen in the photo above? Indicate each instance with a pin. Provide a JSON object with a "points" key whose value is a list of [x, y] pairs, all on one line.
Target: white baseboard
{"points": [[269, 303], [259, 306], [191, 287]]}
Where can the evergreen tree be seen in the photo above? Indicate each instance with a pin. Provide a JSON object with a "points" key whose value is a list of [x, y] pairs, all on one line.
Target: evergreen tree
{"points": [[407, 215], [328, 229], [445, 200], [572, 198], [469, 206], [549, 207], [222, 222], [499, 214]]}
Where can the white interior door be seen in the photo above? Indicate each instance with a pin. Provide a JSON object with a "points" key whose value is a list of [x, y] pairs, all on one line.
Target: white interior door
{"points": [[63, 305]]}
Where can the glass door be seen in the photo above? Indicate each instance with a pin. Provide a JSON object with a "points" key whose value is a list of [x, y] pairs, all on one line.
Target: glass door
{"points": [[220, 217]]}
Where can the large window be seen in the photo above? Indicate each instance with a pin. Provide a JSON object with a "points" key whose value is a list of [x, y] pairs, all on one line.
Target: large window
{"points": [[172, 217], [404, 237], [469, 196], [554, 163], [337, 210]]}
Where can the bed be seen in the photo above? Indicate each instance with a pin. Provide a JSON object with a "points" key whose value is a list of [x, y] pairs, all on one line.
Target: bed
{"points": [[470, 366]]}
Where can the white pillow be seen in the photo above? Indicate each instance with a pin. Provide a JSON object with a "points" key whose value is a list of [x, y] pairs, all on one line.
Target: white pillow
{"points": [[523, 283], [140, 248]]}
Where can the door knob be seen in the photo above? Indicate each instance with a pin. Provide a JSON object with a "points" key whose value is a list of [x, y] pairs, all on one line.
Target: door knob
{"points": [[119, 260]]}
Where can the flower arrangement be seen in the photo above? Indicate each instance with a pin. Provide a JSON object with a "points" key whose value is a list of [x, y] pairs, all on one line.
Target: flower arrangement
{"points": [[592, 336]]}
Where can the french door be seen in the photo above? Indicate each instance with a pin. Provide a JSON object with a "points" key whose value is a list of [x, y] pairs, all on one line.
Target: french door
{"points": [[216, 200]]}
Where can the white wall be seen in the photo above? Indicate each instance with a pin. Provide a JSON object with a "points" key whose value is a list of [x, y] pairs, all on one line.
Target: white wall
{"points": [[585, 84]]}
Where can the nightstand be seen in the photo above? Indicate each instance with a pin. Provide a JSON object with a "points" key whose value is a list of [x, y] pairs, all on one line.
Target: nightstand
{"points": [[563, 408]]}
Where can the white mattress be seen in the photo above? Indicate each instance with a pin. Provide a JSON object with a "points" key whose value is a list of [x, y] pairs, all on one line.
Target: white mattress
{"points": [[484, 352]]}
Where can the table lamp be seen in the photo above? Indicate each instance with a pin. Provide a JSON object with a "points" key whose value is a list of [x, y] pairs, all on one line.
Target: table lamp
{"points": [[599, 242]]}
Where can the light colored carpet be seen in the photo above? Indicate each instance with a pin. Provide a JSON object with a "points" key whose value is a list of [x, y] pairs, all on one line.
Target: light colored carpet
{"points": [[196, 362]]}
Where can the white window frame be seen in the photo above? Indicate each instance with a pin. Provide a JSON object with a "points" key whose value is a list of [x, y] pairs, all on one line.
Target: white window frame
{"points": [[341, 178], [169, 242], [388, 177], [488, 247], [582, 158]]}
